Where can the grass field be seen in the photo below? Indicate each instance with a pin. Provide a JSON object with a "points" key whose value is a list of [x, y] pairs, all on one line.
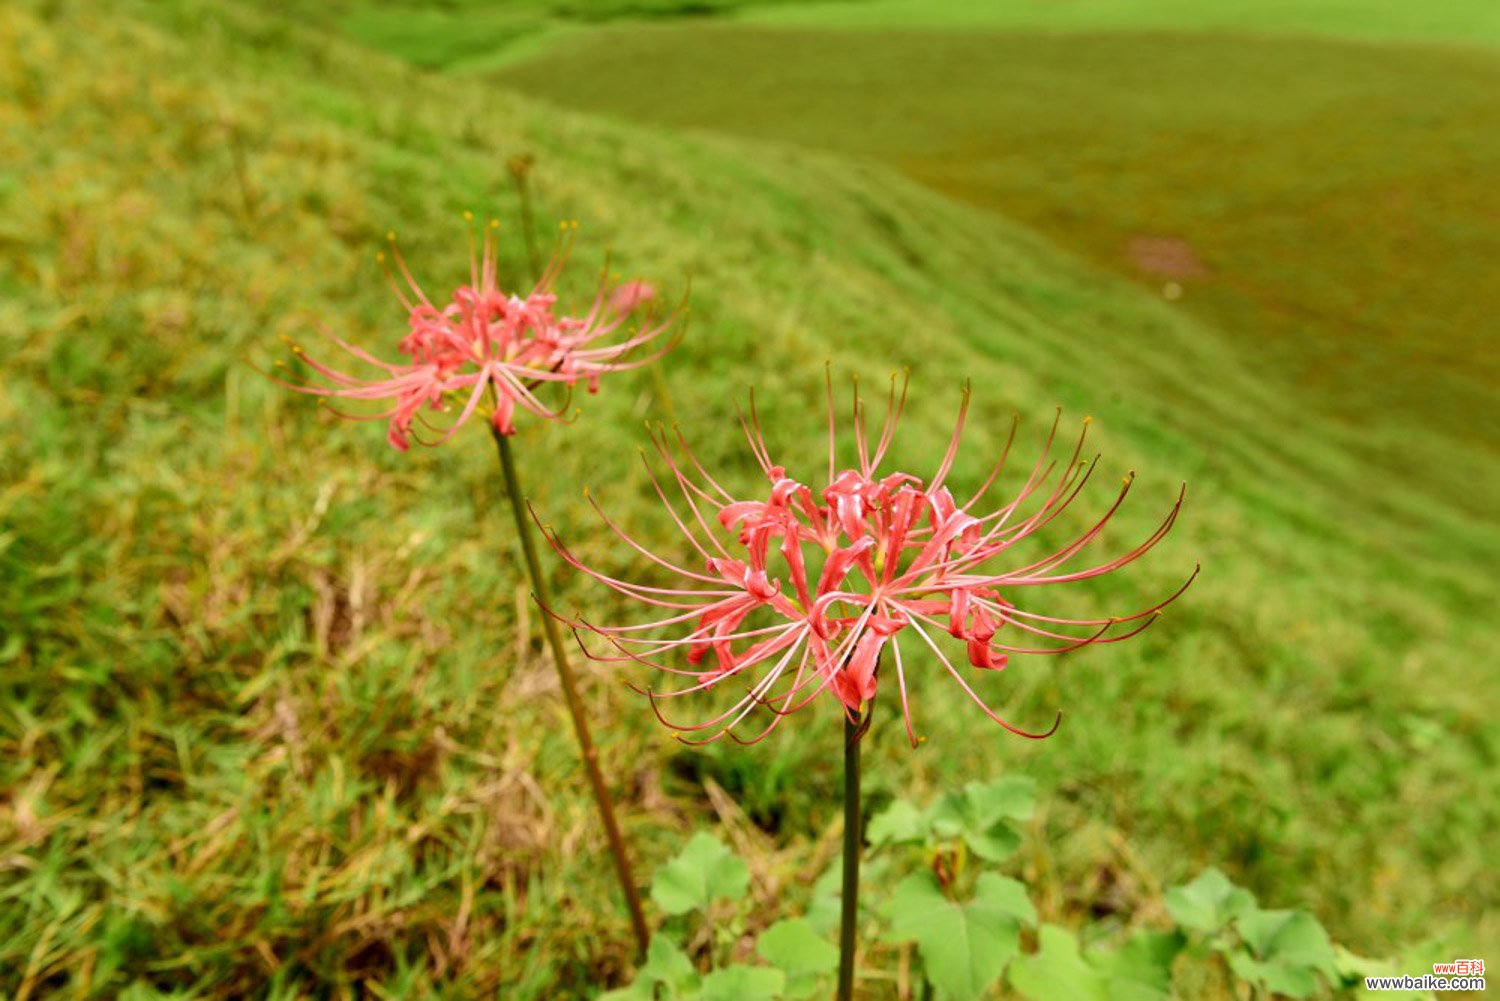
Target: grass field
{"points": [[267, 724], [1343, 234], [1467, 22]]}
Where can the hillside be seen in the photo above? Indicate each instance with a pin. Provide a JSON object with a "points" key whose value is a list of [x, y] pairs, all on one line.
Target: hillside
{"points": [[264, 716], [1340, 235]]}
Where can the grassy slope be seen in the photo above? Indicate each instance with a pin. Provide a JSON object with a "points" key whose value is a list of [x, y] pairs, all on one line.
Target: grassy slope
{"points": [[263, 714], [1341, 233], [488, 34], [1467, 22]]}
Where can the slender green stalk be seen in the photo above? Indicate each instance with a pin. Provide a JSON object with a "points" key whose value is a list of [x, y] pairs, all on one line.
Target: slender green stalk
{"points": [[575, 704], [663, 394], [849, 900], [520, 172]]}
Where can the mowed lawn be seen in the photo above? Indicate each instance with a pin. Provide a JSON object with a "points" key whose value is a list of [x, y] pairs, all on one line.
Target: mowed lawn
{"points": [[1329, 207]]}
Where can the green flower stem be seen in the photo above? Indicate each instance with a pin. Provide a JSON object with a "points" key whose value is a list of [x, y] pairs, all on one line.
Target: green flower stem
{"points": [[849, 899], [575, 704], [520, 172]]}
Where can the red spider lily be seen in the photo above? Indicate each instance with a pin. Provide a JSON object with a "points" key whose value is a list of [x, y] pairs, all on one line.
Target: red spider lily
{"points": [[899, 558], [486, 342]]}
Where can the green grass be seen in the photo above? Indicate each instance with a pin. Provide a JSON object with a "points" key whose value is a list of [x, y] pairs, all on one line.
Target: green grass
{"points": [[464, 35], [1337, 233], [480, 35], [265, 723], [1466, 22]]}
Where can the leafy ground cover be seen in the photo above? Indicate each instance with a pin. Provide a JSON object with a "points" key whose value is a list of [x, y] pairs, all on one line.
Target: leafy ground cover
{"points": [[266, 724]]}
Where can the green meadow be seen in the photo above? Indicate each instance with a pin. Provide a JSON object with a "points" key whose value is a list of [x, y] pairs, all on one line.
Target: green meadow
{"points": [[1458, 21], [1341, 233], [273, 722]]}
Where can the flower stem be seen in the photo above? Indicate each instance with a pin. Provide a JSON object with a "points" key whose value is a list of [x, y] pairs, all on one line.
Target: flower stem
{"points": [[849, 899], [575, 704], [520, 172]]}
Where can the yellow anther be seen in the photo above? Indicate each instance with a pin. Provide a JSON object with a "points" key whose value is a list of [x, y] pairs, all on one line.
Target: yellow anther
{"points": [[468, 216], [390, 235], [494, 224], [380, 256], [1088, 420]]}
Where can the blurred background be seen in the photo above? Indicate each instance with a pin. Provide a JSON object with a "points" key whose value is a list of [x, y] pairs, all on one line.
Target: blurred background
{"points": [[270, 720]]}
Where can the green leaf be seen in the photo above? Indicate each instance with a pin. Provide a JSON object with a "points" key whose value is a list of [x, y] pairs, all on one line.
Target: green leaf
{"points": [[1353, 968], [705, 871], [666, 966], [1057, 970], [742, 983], [1012, 797], [1289, 946], [1275, 976], [899, 823], [964, 947], [824, 911], [1141, 970], [1298, 939], [985, 815], [1004, 895], [1209, 903], [794, 948]]}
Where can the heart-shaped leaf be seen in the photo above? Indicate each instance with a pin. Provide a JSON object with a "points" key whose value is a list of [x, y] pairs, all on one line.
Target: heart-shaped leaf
{"points": [[1141, 969], [1289, 947], [899, 823], [794, 948], [986, 816], [964, 947], [667, 967], [742, 983], [1057, 970], [1275, 976], [705, 871], [1209, 903]]}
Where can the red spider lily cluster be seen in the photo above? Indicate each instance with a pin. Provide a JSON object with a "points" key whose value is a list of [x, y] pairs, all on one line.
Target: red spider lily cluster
{"points": [[485, 342], [805, 589]]}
